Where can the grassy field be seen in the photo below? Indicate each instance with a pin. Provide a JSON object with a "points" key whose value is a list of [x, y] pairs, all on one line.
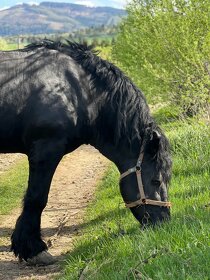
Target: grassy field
{"points": [[113, 246]]}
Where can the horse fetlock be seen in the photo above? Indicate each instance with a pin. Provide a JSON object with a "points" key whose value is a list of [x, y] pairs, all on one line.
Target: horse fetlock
{"points": [[26, 245]]}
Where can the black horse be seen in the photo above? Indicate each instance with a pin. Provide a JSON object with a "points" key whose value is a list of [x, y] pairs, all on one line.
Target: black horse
{"points": [[55, 97]]}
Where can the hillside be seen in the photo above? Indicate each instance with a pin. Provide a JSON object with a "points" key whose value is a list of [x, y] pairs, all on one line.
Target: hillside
{"points": [[48, 17]]}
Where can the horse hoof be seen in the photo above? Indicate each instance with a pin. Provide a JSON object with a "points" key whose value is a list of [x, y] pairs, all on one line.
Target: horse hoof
{"points": [[43, 258]]}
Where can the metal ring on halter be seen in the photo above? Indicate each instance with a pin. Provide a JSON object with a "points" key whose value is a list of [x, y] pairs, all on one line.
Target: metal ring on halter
{"points": [[138, 168], [145, 220]]}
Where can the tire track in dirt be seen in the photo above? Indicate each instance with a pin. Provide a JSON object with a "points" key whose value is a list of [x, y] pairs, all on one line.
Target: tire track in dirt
{"points": [[72, 188]]}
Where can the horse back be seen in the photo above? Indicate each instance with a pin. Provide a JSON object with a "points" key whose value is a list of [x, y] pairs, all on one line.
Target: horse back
{"points": [[40, 95]]}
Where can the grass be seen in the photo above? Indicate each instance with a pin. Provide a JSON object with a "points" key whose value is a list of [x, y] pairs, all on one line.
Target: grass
{"points": [[12, 186], [112, 246]]}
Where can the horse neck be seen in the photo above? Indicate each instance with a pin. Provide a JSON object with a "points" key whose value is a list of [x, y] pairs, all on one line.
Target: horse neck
{"points": [[117, 115], [102, 133]]}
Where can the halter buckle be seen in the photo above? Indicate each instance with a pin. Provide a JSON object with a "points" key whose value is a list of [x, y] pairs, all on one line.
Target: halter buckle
{"points": [[144, 201], [138, 168]]}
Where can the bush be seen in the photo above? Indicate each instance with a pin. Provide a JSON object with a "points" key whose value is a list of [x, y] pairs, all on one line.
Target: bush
{"points": [[3, 44], [165, 47]]}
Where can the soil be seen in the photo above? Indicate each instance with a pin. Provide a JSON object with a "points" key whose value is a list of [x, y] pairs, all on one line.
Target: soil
{"points": [[72, 188], [7, 161]]}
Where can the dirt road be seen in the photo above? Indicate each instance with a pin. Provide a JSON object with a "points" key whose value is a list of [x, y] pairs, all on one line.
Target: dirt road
{"points": [[72, 188]]}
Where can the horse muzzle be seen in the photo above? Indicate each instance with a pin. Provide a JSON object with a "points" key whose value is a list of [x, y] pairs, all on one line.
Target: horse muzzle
{"points": [[150, 215]]}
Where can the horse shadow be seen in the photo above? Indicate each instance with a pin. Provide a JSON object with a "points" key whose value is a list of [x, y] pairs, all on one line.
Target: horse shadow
{"points": [[74, 229]]}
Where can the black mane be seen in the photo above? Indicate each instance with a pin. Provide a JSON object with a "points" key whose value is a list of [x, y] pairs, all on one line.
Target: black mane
{"points": [[133, 115], [124, 95]]}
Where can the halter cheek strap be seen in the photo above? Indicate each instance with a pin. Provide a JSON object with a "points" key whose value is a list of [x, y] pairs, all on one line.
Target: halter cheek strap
{"points": [[143, 200]]}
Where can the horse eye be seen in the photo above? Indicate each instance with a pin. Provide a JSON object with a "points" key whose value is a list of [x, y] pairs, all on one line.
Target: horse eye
{"points": [[156, 183]]}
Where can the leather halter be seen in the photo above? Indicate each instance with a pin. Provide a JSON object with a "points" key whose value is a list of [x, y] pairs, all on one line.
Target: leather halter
{"points": [[137, 169]]}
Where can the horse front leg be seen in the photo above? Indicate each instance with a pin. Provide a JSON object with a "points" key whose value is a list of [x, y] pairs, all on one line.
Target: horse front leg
{"points": [[26, 239]]}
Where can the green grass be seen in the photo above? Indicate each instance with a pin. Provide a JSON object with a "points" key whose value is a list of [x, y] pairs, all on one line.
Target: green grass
{"points": [[12, 186], [112, 245]]}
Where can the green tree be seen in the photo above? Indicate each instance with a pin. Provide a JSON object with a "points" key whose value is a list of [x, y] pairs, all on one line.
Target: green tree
{"points": [[165, 47], [3, 44]]}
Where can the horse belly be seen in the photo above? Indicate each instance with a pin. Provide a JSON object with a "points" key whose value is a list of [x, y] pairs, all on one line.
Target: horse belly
{"points": [[11, 145], [10, 136]]}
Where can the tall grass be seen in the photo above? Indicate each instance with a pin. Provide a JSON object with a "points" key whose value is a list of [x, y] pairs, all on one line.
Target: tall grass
{"points": [[113, 246]]}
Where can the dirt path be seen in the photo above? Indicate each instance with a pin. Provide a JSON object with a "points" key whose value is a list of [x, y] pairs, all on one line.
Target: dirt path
{"points": [[7, 161], [72, 188]]}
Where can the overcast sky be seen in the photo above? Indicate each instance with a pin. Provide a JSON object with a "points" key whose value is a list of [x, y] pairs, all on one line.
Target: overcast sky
{"points": [[111, 3]]}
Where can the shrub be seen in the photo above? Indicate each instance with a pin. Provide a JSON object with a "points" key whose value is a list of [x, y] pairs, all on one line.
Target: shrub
{"points": [[165, 47], [3, 44]]}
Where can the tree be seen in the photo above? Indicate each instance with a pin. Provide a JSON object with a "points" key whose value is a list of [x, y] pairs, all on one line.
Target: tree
{"points": [[165, 47], [3, 44]]}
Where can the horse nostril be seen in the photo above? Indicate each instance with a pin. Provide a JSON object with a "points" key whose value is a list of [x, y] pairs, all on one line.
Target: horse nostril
{"points": [[165, 215]]}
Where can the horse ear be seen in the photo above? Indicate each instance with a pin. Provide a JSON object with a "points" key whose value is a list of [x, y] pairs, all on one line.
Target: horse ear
{"points": [[154, 142]]}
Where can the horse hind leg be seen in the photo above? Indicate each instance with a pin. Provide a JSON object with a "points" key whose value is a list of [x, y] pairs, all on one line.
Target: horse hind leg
{"points": [[26, 239]]}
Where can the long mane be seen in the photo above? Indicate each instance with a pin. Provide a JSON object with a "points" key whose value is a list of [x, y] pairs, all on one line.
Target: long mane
{"points": [[133, 115]]}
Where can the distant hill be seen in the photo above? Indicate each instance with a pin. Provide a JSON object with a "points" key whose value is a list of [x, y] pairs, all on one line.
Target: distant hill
{"points": [[51, 17]]}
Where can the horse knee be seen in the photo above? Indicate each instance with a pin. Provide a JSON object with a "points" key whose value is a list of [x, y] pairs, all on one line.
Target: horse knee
{"points": [[35, 205]]}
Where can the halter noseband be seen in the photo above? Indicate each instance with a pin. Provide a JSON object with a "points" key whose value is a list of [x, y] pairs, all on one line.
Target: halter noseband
{"points": [[137, 169]]}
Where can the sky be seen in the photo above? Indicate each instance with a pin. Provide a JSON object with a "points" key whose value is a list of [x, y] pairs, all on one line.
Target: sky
{"points": [[110, 3]]}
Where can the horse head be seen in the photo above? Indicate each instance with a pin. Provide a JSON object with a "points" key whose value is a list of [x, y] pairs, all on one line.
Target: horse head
{"points": [[144, 179]]}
